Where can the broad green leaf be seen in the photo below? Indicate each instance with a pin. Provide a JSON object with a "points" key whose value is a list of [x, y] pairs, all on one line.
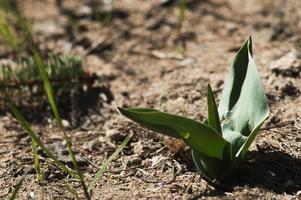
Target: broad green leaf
{"points": [[198, 136], [213, 117], [244, 148], [211, 168], [235, 80], [236, 140], [243, 105]]}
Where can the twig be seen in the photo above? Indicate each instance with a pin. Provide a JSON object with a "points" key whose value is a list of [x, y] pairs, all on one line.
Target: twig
{"points": [[277, 125]]}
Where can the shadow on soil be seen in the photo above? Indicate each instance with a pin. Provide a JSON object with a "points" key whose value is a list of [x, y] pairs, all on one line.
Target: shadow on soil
{"points": [[272, 170], [75, 102]]}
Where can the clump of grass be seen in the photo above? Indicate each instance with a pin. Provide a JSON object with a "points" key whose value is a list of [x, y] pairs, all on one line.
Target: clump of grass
{"points": [[25, 71], [34, 65], [51, 99]]}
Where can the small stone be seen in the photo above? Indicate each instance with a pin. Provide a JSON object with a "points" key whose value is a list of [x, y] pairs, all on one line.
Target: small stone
{"points": [[48, 27], [65, 123], [139, 174], [288, 65], [187, 61], [84, 11], [32, 195]]}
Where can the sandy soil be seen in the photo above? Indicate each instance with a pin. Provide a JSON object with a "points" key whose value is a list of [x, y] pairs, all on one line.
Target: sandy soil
{"points": [[143, 58]]}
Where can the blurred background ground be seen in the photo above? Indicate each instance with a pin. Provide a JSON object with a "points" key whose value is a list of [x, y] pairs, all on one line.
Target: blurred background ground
{"points": [[143, 57]]}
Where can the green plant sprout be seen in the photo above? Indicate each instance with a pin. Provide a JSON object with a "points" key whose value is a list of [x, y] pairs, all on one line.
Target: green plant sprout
{"points": [[219, 143], [58, 68]]}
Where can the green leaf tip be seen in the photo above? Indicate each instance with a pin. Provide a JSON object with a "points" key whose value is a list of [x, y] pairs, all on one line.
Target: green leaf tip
{"points": [[222, 140], [243, 106], [213, 117], [249, 42]]}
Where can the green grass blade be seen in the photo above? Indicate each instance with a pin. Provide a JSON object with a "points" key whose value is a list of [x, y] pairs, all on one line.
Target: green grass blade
{"points": [[105, 165], [6, 32], [49, 91], [36, 160], [71, 189], [17, 188], [47, 86], [34, 137], [197, 135], [213, 117]]}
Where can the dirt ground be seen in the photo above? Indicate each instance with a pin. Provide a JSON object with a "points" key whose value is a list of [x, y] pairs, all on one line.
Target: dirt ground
{"points": [[142, 57]]}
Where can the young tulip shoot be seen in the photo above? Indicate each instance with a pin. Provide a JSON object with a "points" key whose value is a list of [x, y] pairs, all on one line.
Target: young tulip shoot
{"points": [[222, 140]]}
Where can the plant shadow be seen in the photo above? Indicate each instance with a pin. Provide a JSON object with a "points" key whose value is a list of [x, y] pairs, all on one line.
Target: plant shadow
{"points": [[268, 169], [76, 102]]}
